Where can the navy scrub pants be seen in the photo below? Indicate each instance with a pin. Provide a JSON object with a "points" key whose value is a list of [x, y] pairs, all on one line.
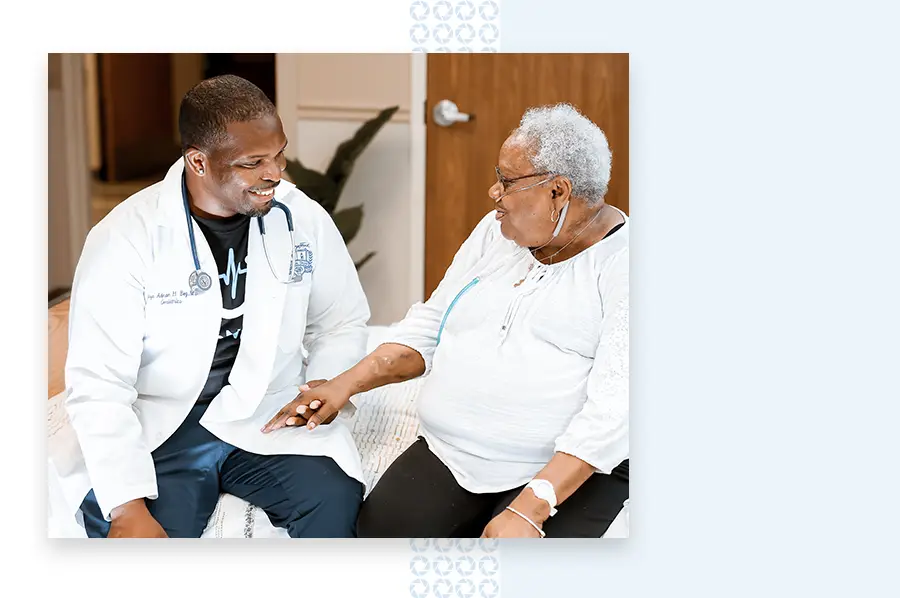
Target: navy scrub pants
{"points": [[310, 496]]}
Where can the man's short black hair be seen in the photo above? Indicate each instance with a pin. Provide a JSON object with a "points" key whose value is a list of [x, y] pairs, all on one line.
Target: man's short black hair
{"points": [[211, 105]]}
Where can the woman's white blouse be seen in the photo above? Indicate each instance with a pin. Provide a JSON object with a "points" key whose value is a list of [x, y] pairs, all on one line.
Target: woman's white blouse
{"points": [[518, 373]]}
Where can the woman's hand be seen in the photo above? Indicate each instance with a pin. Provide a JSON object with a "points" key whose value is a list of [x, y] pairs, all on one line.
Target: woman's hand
{"points": [[319, 402], [510, 525]]}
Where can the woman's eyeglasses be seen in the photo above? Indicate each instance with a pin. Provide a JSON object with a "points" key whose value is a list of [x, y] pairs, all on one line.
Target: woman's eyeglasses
{"points": [[506, 182]]}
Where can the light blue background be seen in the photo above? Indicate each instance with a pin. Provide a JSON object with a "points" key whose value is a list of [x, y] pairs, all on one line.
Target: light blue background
{"points": [[764, 166], [765, 156]]}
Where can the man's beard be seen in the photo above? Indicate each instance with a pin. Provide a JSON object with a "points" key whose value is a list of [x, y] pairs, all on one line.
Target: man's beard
{"points": [[250, 209]]}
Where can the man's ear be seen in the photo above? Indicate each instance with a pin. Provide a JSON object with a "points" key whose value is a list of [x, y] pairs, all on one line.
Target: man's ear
{"points": [[196, 161]]}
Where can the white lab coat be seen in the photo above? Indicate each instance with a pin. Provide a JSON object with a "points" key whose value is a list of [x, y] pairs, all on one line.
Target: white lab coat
{"points": [[140, 346]]}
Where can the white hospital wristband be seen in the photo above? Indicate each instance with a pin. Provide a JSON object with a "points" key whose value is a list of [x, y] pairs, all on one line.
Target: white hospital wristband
{"points": [[544, 490]]}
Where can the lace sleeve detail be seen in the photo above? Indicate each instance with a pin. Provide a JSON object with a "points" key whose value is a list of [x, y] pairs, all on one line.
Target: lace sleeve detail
{"points": [[598, 434]]}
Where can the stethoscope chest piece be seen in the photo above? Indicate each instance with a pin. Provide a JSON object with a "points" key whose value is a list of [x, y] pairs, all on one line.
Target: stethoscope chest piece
{"points": [[199, 281]]}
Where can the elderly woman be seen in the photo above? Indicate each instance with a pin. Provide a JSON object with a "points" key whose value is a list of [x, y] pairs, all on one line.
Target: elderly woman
{"points": [[524, 414]]}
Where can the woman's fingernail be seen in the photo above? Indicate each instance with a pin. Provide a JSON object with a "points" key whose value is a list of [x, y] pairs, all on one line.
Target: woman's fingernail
{"points": [[315, 404], [291, 421], [301, 409], [312, 425]]}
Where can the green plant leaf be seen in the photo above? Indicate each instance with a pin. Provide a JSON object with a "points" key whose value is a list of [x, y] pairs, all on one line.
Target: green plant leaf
{"points": [[348, 222], [316, 185], [365, 259], [346, 154]]}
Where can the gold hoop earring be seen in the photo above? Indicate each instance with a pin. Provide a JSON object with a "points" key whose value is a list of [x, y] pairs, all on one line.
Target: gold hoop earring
{"points": [[554, 215]]}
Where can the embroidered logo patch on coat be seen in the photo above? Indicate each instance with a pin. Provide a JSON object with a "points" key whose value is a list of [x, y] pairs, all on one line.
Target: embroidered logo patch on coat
{"points": [[303, 261]]}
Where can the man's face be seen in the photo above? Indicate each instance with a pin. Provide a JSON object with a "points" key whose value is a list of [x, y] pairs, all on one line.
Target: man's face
{"points": [[245, 170]]}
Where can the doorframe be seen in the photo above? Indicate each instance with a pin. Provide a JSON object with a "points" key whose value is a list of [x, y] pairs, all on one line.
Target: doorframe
{"points": [[287, 102], [417, 132], [77, 154]]}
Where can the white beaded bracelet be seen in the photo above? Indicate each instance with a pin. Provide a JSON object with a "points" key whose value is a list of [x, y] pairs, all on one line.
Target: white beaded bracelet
{"points": [[533, 524]]}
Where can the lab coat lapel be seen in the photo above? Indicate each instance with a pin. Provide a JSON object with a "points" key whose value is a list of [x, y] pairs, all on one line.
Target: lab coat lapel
{"points": [[263, 304], [203, 313]]}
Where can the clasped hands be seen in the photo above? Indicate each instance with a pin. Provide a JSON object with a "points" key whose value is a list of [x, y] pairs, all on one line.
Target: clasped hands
{"points": [[318, 403]]}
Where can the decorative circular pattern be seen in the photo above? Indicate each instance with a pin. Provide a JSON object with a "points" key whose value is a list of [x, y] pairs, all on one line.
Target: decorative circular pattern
{"points": [[488, 10], [419, 588], [443, 588], [442, 10], [466, 544], [489, 588], [419, 10], [465, 33], [418, 565], [489, 33], [488, 565], [465, 565], [436, 25], [465, 10], [442, 33], [445, 544], [419, 33], [465, 588], [443, 565], [455, 568]]}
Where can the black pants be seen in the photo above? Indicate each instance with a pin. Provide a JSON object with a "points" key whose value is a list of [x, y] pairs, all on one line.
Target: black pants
{"points": [[418, 497], [309, 496]]}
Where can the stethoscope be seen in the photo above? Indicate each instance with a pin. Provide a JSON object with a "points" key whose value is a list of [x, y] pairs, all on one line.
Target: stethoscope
{"points": [[301, 256]]}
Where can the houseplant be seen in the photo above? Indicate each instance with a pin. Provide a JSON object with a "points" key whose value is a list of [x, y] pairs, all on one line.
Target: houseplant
{"points": [[325, 188]]}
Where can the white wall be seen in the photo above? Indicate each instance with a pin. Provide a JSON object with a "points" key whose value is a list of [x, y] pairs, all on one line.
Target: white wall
{"points": [[323, 99]]}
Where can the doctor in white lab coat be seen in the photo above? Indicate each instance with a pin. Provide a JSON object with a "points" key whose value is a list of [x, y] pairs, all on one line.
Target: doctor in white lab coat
{"points": [[169, 383]]}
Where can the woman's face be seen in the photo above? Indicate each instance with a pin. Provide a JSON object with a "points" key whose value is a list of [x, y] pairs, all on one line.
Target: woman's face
{"points": [[525, 197]]}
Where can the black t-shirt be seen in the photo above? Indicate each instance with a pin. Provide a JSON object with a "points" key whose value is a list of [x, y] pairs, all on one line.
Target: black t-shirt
{"points": [[227, 238]]}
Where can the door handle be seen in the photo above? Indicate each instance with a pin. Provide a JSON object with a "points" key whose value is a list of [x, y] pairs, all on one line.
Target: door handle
{"points": [[446, 113]]}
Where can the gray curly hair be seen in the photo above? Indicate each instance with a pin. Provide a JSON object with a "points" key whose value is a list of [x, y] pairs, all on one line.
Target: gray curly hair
{"points": [[563, 141]]}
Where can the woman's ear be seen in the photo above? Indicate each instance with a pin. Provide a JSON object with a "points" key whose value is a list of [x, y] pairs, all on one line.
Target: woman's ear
{"points": [[563, 186], [561, 190]]}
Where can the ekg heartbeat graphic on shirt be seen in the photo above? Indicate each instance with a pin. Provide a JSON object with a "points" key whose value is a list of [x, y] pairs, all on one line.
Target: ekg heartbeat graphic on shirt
{"points": [[233, 335], [232, 273]]}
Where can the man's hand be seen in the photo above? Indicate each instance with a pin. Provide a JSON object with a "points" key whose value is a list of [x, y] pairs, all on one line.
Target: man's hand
{"points": [[319, 402], [133, 520]]}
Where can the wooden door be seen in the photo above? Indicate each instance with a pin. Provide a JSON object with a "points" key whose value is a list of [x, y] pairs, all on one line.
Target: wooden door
{"points": [[137, 116], [497, 89]]}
